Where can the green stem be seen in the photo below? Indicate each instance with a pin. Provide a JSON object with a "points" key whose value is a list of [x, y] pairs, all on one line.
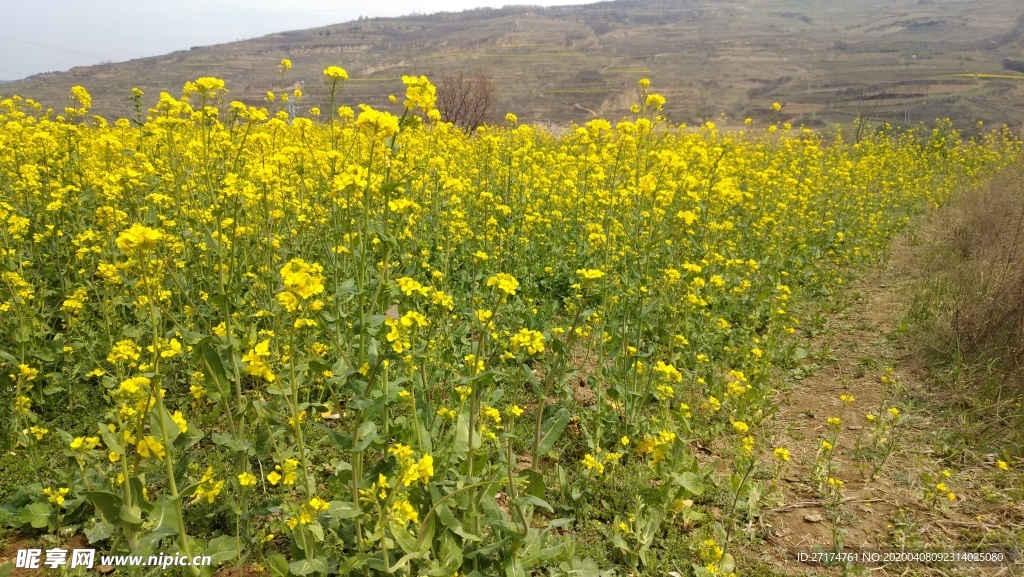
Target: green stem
{"points": [[732, 509], [164, 436]]}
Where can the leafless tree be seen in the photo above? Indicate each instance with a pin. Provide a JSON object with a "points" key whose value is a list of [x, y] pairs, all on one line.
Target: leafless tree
{"points": [[465, 101]]}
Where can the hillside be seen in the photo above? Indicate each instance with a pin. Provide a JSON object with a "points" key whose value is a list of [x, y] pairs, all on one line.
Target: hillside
{"points": [[911, 60]]}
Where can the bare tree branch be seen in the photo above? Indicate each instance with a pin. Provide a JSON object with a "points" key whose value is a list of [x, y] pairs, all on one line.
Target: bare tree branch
{"points": [[466, 102]]}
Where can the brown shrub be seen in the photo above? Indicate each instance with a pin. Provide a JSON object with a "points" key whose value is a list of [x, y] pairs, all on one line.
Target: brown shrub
{"points": [[466, 101]]}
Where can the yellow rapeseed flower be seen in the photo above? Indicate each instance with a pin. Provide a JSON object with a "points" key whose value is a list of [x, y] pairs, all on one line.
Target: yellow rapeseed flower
{"points": [[505, 282], [335, 73], [138, 237]]}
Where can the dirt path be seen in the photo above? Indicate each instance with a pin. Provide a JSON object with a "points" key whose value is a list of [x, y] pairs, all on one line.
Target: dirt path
{"points": [[894, 489]]}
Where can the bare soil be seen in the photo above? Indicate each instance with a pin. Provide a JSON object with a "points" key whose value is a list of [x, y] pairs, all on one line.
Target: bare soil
{"points": [[885, 512]]}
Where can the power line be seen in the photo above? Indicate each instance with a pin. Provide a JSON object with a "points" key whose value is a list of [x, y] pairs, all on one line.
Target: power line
{"points": [[30, 43]]}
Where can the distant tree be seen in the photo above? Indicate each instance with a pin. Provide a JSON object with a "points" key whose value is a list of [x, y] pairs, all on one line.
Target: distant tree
{"points": [[1014, 65], [465, 101]]}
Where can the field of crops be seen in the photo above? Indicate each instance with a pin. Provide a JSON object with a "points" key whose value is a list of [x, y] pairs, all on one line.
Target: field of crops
{"points": [[366, 342]]}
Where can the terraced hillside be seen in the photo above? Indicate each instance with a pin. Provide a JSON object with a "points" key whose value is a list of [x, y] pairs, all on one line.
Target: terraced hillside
{"points": [[906, 61]]}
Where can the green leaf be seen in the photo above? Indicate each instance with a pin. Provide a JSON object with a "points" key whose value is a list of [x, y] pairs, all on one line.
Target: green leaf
{"points": [[648, 531], [585, 568], [534, 383], [535, 483], [535, 501], [352, 562], [735, 481], [484, 379], [543, 555], [21, 498], [36, 514], [213, 366], [620, 543], [261, 443], [490, 550], [461, 446], [277, 564], [408, 557], [727, 563], [131, 515], [372, 351], [108, 505], [342, 510], [96, 532], [651, 496], [451, 553], [317, 530], [6, 569], [552, 430], [427, 532], [223, 548], [503, 525], [110, 439], [188, 491], [449, 520], [52, 389], [513, 568], [138, 494], [192, 436], [164, 516], [423, 431], [390, 186], [340, 440], [365, 435], [557, 346], [229, 441], [404, 538], [560, 523], [158, 412], [307, 566], [378, 403], [692, 482]]}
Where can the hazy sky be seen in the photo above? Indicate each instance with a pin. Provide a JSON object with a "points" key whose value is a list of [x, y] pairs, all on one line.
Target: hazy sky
{"points": [[47, 35]]}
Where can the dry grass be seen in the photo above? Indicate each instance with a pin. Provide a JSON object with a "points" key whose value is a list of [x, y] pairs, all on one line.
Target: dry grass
{"points": [[989, 281], [968, 305]]}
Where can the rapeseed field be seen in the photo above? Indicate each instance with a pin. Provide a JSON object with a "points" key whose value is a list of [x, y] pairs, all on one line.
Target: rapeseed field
{"points": [[365, 342]]}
